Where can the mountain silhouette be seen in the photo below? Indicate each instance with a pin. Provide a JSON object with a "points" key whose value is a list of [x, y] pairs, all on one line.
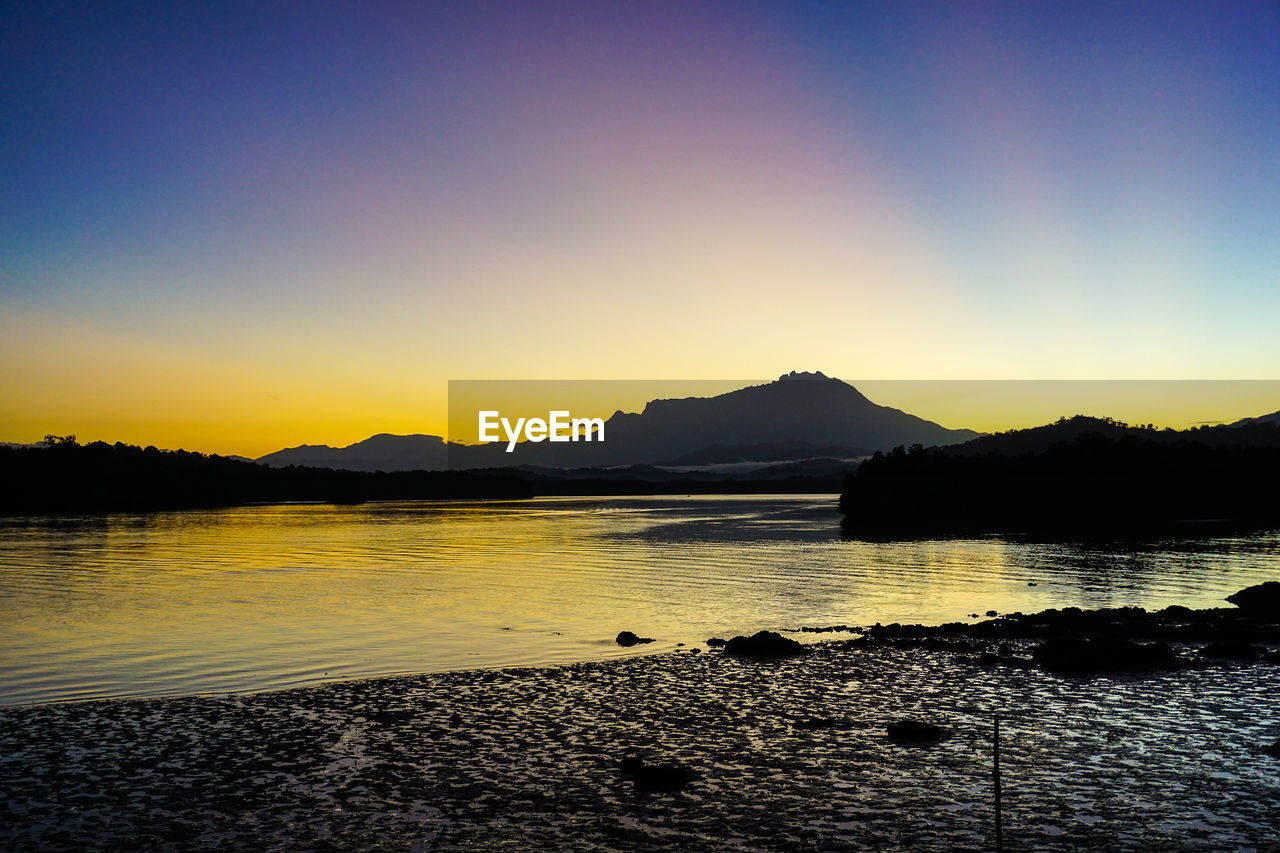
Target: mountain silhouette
{"points": [[810, 411], [1273, 418], [797, 417], [382, 452]]}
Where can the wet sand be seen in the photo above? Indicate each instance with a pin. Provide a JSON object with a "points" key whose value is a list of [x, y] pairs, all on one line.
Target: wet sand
{"points": [[789, 755]]}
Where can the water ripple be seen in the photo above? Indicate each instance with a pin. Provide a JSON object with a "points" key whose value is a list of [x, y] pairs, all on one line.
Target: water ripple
{"points": [[253, 597]]}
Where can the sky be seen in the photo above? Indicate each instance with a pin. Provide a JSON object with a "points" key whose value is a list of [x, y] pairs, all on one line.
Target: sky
{"points": [[238, 227]]}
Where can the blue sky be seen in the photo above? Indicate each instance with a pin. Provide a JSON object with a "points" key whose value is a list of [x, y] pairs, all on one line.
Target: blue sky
{"points": [[237, 226]]}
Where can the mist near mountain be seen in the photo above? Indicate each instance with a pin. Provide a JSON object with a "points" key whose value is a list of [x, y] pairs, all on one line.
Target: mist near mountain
{"points": [[770, 453]]}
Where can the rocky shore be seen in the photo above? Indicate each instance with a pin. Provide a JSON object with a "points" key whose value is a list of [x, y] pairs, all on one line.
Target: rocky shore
{"points": [[708, 751], [1118, 639]]}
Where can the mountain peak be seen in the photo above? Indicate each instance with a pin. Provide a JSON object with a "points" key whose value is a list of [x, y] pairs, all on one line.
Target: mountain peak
{"points": [[817, 374]]}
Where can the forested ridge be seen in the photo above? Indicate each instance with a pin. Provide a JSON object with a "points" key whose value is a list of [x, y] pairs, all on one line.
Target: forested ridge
{"points": [[1076, 474]]}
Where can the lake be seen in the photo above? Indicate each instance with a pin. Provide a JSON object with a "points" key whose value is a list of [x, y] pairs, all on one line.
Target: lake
{"points": [[267, 597]]}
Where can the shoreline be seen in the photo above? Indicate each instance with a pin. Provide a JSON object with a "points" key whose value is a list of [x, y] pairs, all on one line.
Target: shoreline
{"points": [[787, 753], [1232, 633]]}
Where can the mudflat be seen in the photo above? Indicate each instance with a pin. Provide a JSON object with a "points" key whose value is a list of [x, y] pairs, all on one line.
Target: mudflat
{"points": [[782, 754]]}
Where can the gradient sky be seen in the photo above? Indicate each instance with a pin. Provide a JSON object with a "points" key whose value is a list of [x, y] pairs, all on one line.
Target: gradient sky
{"points": [[235, 227]]}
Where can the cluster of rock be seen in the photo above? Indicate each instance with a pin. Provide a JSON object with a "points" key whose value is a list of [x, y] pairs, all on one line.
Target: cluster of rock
{"points": [[1071, 640], [762, 644], [1117, 639]]}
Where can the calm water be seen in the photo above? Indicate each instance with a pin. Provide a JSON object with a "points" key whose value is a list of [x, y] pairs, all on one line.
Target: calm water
{"points": [[267, 597]]}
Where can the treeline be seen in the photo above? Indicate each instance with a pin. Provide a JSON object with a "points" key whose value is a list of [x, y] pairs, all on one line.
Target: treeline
{"points": [[1122, 479], [1036, 439], [550, 486], [66, 477]]}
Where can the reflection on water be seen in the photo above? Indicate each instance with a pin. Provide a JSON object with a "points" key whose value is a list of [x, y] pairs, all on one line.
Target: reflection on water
{"points": [[262, 597]]}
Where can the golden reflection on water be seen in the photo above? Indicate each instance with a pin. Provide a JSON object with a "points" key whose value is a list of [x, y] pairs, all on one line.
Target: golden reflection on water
{"points": [[263, 597]]}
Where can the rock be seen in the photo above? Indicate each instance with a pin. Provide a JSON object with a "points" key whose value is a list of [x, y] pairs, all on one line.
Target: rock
{"points": [[1260, 600], [764, 644], [715, 642], [1083, 656], [992, 613], [1273, 750], [667, 776], [1230, 650], [626, 638], [915, 731]]}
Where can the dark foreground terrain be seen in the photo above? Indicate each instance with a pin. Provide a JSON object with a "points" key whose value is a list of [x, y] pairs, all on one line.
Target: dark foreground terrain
{"points": [[789, 753]]}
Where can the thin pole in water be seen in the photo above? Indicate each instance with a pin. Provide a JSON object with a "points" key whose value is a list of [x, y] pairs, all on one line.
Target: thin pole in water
{"points": [[995, 775]]}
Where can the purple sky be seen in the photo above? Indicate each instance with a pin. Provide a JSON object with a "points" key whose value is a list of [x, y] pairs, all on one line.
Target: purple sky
{"points": [[239, 226]]}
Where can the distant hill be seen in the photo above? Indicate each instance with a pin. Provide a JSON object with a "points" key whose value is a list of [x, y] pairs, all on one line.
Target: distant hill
{"points": [[382, 452], [1252, 432], [1038, 439], [813, 414], [1273, 418]]}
